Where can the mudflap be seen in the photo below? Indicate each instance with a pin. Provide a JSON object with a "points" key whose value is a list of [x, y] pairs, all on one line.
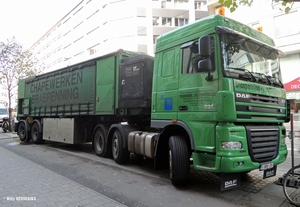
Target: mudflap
{"points": [[269, 172], [230, 181]]}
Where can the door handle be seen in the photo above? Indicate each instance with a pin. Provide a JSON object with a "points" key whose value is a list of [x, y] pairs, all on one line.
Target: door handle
{"points": [[183, 108]]}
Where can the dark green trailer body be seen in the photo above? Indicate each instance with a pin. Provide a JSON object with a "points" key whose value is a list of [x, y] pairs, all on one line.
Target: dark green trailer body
{"points": [[115, 87], [88, 88], [66, 92]]}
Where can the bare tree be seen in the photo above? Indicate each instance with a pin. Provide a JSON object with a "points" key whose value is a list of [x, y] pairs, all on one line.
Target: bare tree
{"points": [[15, 64]]}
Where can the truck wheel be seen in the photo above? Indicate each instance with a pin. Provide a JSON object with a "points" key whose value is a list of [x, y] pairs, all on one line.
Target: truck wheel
{"points": [[22, 131], [120, 154], [178, 160], [35, 133], [99, 144]]}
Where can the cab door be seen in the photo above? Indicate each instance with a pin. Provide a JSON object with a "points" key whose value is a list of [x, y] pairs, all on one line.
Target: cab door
{"points": [[165, 90], [197, 96], [197, 89]]}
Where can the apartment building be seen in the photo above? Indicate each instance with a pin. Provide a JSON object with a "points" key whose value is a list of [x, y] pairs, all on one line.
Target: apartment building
{"points": [[96, 27]]}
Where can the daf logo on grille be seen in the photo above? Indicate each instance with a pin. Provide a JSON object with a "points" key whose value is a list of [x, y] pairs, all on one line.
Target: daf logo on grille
{"points": [[242, 95]]}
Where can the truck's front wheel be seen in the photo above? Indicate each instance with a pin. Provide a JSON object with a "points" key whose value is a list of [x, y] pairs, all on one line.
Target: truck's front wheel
{"points": [[120, 154], [178, 160]]}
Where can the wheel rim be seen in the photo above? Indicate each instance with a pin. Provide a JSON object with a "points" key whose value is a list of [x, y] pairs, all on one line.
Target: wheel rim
{"points": [[115, 147], [34, 132], [22, 131], [99, 142]]}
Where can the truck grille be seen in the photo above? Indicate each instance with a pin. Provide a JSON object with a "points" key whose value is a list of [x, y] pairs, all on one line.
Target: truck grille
{"points": [[257, 107], [263, 142]]}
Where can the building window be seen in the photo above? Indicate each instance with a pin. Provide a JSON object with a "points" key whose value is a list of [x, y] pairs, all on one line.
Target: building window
{"points": [[199, 5], [155, 21], [164, 4], [180, 22], [155, 38], [282, 28], [166, 21]]}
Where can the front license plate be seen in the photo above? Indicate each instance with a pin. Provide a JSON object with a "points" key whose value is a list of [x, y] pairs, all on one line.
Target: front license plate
{"points": [[266, 166], [270, 172]]}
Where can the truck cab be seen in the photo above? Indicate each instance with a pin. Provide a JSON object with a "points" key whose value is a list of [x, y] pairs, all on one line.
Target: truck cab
{"points": [[217, 85]]}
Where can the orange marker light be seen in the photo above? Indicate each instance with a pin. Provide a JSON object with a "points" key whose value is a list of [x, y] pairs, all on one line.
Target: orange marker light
{"points": [[259, 28], [221, 11]]}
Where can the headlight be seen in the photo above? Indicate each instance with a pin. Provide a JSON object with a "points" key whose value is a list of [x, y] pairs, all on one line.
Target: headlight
{"points": [[231, 145]]}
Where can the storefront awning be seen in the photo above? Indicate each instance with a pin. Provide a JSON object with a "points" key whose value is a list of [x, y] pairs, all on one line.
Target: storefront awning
{"points": [[293, 85], [293, 89]]}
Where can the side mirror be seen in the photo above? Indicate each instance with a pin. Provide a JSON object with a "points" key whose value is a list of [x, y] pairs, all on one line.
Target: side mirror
{"points": [[205, 65], [204, 46]]}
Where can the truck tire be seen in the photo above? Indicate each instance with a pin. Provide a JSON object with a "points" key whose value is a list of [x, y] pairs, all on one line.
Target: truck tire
{"points": [[120, 154], [179, 163], [22, 131], [36, 134], [99, 144]]}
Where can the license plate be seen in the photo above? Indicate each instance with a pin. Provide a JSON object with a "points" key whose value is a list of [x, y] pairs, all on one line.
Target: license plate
{"points": [[266, 166]]}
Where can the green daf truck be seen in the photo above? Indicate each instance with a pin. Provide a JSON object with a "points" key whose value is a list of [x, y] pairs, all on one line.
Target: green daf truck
{"points": [[211, 99]]}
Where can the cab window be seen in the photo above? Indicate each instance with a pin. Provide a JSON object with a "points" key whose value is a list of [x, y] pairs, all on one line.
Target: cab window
{"points": [[191, 57]]}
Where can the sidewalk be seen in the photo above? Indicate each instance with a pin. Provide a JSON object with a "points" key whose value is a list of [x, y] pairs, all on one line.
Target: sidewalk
{"points": [[25, 183]]}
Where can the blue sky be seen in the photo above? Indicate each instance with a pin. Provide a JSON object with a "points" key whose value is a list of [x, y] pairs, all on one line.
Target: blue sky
{"points": [[28, 20]]}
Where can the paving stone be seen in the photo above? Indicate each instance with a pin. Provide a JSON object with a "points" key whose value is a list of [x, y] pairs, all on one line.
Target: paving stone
{"points": [[24, 183]]}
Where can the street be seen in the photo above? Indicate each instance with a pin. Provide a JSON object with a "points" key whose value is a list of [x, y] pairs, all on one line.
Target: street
{"points": [[133, 184]]}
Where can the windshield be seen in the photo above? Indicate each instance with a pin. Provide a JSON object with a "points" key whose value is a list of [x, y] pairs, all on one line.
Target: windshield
{"points": [[250, 60]]}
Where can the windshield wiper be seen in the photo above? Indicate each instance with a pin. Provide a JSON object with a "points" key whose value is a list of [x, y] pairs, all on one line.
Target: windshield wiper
{"points": [[263, 78], [247, 75], [275, 81]]}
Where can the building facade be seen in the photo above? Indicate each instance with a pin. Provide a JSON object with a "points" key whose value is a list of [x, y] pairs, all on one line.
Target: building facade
{"points": [[94, 27]]}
